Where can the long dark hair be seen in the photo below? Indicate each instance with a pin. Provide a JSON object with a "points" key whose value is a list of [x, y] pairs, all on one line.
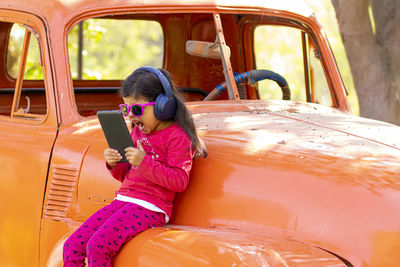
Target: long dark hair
{"points": [[142, 83]]}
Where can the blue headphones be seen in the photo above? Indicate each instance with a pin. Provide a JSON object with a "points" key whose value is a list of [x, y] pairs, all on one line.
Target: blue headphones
{"points": [[165, 104]]}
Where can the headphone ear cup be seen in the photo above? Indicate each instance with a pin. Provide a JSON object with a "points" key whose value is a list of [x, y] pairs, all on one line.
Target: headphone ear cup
{"points": [[164, 107]]}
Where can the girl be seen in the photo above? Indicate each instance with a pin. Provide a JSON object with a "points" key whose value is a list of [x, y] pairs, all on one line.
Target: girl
{"points": [[166, 141]]}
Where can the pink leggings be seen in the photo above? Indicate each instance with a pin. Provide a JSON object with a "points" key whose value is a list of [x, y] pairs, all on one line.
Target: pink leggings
{"points": [[101, 236]]}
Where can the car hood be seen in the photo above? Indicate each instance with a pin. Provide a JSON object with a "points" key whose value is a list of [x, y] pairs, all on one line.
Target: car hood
{"points": [[308, 132], [302, 127]]}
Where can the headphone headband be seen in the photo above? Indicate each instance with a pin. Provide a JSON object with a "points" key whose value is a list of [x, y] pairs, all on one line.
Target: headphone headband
{"points": [[165, 105], [164, 81]]}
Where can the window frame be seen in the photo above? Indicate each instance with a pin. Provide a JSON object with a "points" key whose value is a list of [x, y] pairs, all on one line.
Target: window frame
{"points": [[15, 109], [31, 24], [81, 86], [249, 23]]}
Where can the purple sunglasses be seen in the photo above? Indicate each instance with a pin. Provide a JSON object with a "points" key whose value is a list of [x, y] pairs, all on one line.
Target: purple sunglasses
{"points": [[136, 109]]}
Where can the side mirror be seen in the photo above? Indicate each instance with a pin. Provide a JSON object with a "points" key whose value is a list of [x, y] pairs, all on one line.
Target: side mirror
{"points": [[204, 49]]}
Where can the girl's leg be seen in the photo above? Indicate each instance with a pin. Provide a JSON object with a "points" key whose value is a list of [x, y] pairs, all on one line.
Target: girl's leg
{"points": [[126, 223], [74, 252]]}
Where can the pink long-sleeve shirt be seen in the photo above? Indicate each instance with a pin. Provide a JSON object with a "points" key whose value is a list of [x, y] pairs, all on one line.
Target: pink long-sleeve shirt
{"points": [[164, 170]]}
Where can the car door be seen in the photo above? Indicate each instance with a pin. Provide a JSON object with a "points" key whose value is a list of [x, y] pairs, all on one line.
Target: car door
{"points": [[28, 128]]}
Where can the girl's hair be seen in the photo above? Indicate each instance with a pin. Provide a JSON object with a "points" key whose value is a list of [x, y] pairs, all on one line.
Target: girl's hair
{"points": [[145, 84]]}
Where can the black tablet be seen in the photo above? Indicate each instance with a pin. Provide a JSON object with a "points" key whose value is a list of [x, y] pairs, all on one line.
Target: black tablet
{"points": [[115, 130]]}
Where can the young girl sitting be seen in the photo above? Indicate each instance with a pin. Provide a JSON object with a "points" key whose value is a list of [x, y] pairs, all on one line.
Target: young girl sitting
{"points": [[166, 141]]}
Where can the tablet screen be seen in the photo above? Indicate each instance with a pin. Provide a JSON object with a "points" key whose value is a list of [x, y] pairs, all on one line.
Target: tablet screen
{"points": [[115, 130]]}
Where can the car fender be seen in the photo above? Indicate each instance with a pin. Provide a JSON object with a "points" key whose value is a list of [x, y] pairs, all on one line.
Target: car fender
{"points": [[192, 246], [55, 258], [174, 245]]}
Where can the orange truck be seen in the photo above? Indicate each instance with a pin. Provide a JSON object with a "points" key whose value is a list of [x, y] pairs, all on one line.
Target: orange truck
{"points": [[292, 177]]}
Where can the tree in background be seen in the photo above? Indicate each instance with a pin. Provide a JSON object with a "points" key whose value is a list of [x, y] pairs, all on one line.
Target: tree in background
{"points": [[371, 37]]}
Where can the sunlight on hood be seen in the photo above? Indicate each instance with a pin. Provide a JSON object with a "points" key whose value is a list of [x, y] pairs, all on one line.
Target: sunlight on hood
{"points": [[262, 139]]}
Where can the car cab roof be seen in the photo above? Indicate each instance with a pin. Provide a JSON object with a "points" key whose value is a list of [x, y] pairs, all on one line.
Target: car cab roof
{"points": [[71, 8]]}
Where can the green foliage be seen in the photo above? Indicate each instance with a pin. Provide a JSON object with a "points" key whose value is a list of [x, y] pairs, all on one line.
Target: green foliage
{"points": [[278, 49], [113, 48], [33, 69]]}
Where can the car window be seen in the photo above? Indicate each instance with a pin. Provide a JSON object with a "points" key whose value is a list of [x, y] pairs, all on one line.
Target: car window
{"points": [[22, 92], [104, 51], [109, 49], [33, 69], [319, 85], [280, 49]]}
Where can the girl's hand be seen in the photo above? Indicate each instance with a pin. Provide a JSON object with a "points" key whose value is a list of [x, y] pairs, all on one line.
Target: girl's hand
{"points": [[135, 156], [112, 156]]}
